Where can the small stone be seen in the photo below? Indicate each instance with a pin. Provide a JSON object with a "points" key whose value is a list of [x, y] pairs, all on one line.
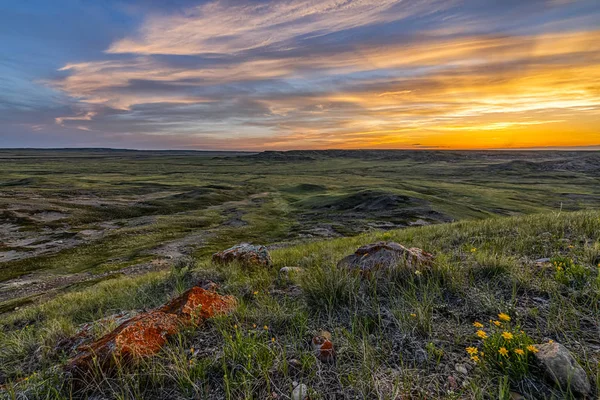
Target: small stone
{"points": [[300, 392], [516, 396], [323, 347], [294, 363], [562, 367], [421, 356], [452, 383], [461, 369], [542, 260]]}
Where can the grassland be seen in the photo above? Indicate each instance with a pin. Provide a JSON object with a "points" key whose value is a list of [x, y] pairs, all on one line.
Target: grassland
{"points": [[89, 234], [396, 337]]}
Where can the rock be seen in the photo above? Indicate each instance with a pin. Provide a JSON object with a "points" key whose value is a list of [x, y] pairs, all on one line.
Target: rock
{"points": [[560, 365], [461, 369], [386, 255], [421, 356], [295, 364], [452, 383], [323, 347], [246, 254], [300, 392], [542, 260], [146, 333]]}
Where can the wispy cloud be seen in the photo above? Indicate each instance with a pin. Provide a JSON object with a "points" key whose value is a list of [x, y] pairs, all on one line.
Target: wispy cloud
{"points": [[344, 73]]}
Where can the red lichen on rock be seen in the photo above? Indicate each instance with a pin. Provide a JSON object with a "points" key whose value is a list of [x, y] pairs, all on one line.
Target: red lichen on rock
{"points": [[323, 348], [145, 334], [198, 304]]}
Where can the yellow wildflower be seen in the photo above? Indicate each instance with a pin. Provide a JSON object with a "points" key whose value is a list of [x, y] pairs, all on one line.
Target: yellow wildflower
{"points": [[519, 351], [532, 348], [413, 315], [192, 350], [254, 325], [503, 317], [497, 323], [472, 351], [417, 272], [266, 328], [255, 293], [273, 340], [477, 324], [475, 359], [550, 341], [482, 334], [507, 335], [235, 326], [473, 249], [503, 351]]}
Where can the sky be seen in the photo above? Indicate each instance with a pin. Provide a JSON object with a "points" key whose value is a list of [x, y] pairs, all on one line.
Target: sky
{"points": [[300, 74]]}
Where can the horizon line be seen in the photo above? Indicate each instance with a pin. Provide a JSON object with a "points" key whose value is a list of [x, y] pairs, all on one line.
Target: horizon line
{"points": [[538, 148]]}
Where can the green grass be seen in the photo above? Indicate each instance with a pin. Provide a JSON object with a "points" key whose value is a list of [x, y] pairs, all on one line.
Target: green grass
{"points": [[397, 335]]}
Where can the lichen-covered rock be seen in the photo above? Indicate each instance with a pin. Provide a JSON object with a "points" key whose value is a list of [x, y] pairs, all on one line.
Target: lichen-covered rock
{"points": [[146, 333], [323, 347], [560, 365], [246, 254], [386, 255]]}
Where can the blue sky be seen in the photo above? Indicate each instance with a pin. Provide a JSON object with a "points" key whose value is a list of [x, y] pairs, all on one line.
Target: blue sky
{"points": [[254, 75]]}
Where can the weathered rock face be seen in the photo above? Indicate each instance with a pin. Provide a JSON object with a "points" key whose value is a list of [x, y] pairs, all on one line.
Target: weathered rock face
{"points": [[246, 254], [560, 365], [146, 333], [386, 255]]}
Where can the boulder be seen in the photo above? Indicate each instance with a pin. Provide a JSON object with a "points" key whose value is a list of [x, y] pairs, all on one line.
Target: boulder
{"points": [[386, 255], [146, 333], [246, 254], [562, 367]]}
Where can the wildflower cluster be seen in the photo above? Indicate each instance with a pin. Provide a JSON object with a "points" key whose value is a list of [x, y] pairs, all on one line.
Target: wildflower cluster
{"points": [[567, 272], [503, 346]]}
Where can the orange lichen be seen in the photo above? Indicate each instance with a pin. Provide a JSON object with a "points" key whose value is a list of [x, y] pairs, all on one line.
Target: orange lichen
{"points": [[198, 304], [145, 334], [323, 348]]}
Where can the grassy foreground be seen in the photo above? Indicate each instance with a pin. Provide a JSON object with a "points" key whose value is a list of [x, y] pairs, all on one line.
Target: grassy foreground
{"points": [[396, 336]]}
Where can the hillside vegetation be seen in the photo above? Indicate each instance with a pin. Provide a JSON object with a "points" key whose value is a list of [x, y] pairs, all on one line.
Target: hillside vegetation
{"points": [[73, 218], [399, 335]]}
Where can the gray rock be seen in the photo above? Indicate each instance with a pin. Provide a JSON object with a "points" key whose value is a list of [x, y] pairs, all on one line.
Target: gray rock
{"points": [[300, 392], [461, 369], [542, 260], [560, 365], [246, 254], [386, 255]]}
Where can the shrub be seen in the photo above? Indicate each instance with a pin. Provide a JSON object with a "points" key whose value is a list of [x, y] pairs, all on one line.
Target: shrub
{"points": [[570, 273]]}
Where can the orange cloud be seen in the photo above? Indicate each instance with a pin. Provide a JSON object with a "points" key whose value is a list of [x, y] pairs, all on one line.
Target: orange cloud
{"points": [[462, 91]]}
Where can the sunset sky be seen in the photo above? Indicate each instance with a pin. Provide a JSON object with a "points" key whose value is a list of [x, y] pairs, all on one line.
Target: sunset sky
{"points": [[299, 74]]}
